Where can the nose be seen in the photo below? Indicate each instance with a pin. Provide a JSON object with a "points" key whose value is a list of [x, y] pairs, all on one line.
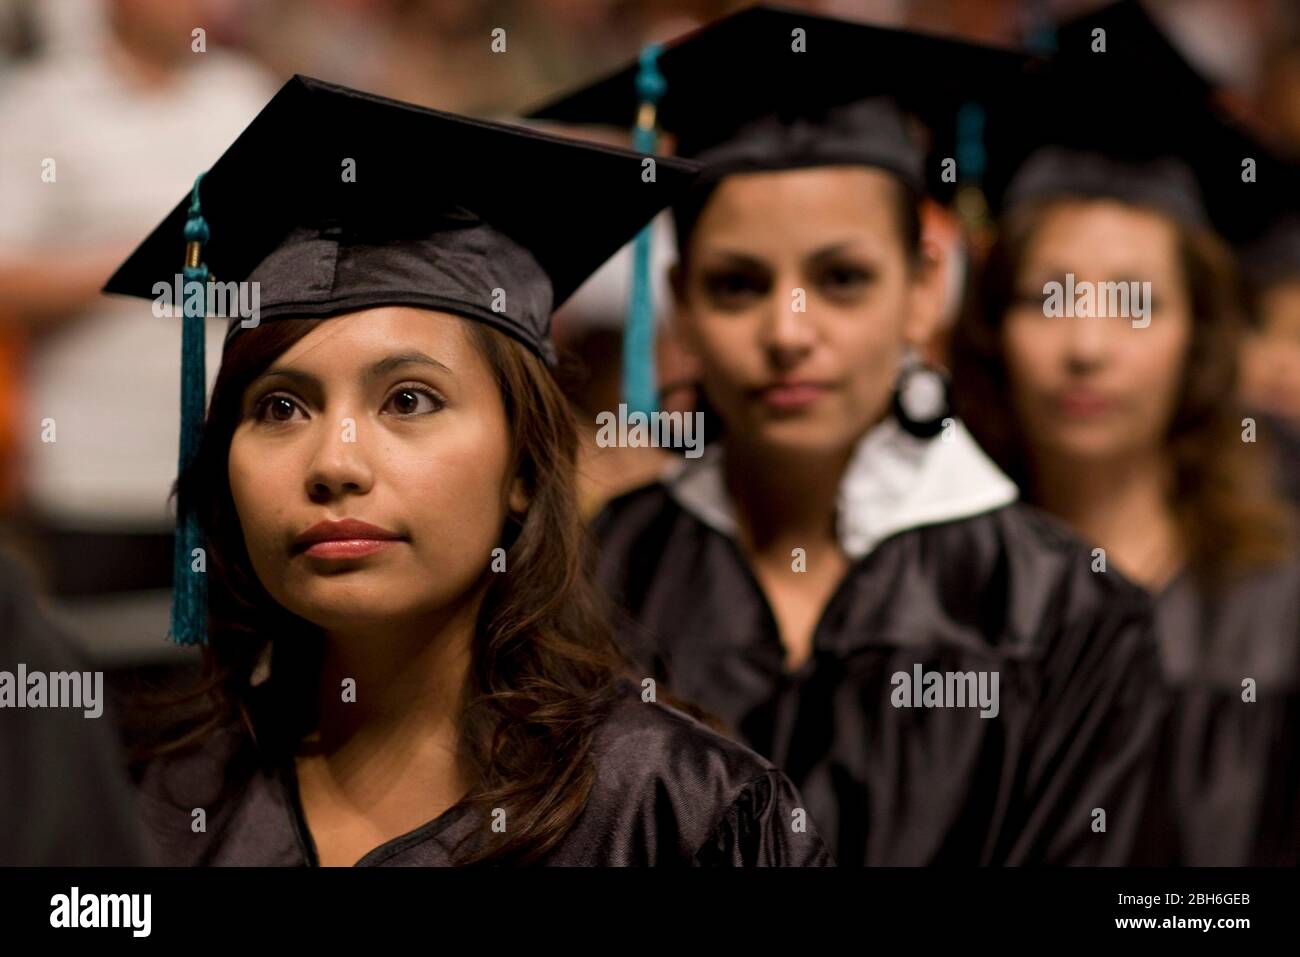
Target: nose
{"points": [[1088, 341], [788, 333], [339, 465]]}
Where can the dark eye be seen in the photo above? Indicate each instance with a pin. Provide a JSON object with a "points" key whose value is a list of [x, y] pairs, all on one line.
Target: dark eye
{"points": [[844, 279], [276, 407], [414, 400], [734, 288], [1029, 298]]}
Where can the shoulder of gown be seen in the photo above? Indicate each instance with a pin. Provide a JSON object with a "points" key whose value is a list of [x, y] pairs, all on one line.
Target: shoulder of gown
{"points": [[670, 790], [1232, 658], [1248, 629], [1010, 591], [57, 766], [244, 815], [1017, 574]]}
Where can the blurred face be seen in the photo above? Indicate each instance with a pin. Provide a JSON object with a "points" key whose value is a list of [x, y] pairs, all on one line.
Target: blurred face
{"points": [[1271, 357], [1098, 387], [797, 301], [163, 27], [392, 417]]}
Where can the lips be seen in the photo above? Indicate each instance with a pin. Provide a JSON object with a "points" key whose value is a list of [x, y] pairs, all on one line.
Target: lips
{"points": [[1082, 402], [794, 394], [345, 538]]}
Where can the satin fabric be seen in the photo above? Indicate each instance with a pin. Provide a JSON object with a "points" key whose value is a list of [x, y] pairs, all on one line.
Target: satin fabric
{"points": [[1284, 436], [1010, 591], [1231, 766], [64, 797], [669, 791]]}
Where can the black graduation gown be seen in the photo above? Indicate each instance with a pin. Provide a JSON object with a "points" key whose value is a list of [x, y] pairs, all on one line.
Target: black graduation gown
{"points": [[1284, 435], [1008, 590], [64, 794], [669, 791], [1232, 791]]}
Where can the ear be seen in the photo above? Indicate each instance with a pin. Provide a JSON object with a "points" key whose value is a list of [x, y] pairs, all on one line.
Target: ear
{"points": [[927, 295], [518, 499]]}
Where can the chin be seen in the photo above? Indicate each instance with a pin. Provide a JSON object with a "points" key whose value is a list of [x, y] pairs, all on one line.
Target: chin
{"points": [[350, 615], [332, 604], [1085, 443], [808, 436]]}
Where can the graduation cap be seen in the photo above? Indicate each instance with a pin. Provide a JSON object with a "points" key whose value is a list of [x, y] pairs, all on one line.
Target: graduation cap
{"points": [[334, 201], [1170, 116], [772, 88], [1119, 113]]}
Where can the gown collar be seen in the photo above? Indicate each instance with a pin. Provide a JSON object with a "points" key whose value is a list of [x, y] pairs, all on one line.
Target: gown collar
{"points": [[894, 482]]}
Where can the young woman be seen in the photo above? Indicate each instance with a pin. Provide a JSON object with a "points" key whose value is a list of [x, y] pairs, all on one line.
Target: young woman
{"points": [[1125, 424], [848, 582], [407, 663], [1270, 367]]}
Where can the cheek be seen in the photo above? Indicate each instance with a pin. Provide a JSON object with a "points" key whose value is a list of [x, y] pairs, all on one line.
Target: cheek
{"points": [[1032, 350], [871, 331], [450, 487], [260, 488], [868, 346], [1157, 358], [728, 348]]}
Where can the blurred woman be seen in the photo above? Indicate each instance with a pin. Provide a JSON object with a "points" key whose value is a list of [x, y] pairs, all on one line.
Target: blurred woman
{"points": [[1125, 424], [1270, 366]]}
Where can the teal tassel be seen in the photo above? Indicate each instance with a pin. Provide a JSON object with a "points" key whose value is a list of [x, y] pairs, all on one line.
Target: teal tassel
{"points": [[972, 159], [639, 379], [1042, 37], [190, 587]]}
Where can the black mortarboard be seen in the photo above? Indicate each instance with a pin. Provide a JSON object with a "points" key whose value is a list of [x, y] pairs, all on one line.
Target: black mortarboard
{"points": [[773, 88], [334, 201], [1119, 113], [337, 200]]}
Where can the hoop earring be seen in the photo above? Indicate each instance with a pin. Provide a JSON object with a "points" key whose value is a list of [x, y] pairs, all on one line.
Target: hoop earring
{"points": [[922, 398]]}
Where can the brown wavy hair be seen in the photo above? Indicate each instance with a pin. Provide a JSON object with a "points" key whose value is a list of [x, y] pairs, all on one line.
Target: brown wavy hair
{"points": [[1224, 498], [544, 664]]}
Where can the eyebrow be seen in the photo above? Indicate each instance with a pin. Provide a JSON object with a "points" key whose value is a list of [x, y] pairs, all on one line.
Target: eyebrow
{"points": [[382, 367], [834, 249], [735, 257]]}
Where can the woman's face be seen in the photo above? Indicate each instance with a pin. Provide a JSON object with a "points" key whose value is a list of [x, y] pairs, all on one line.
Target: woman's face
{"points": [[1271, 357], [390, 416], [797, 302], [1106, 386]]}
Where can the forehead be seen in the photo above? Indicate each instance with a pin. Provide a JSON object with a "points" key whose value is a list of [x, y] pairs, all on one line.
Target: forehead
{"points": [[1105, 233], [357, 338], [798, 208]]}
